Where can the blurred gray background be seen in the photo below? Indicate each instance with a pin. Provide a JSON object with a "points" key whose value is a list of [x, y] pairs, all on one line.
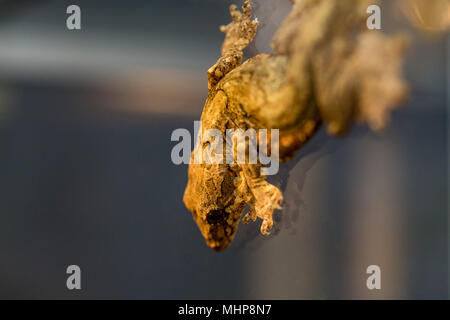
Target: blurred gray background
{"points": [[86, 176]]}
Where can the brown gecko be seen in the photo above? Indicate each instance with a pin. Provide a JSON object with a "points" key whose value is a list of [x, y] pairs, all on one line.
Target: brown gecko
{"points": [[327, 68]]}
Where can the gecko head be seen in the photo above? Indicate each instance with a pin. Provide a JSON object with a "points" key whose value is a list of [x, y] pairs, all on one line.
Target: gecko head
{"points": [[215, 204]]}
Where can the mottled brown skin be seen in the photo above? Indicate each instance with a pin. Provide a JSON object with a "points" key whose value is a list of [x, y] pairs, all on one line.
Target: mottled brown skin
{"points": [[218, 193], [292, 91]]}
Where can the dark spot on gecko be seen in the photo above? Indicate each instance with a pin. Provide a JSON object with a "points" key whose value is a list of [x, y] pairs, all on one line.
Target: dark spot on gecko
{"points": [[215, 216]]}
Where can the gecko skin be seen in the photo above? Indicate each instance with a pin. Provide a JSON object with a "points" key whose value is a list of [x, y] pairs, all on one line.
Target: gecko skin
{"points": [[312, 79]]}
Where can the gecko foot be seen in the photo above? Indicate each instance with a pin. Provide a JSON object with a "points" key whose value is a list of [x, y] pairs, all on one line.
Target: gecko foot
{"points": [[266, 199]]}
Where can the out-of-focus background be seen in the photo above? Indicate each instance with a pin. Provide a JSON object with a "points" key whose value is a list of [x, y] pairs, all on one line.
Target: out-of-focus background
{"points": [[86, 176]]}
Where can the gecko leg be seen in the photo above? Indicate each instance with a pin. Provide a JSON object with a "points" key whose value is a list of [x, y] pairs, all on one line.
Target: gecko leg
{"points": [[263, 199], [238, 34]]}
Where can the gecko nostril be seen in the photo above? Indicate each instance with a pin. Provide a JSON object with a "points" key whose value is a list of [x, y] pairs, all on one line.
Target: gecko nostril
{"points": [[215, 216]]}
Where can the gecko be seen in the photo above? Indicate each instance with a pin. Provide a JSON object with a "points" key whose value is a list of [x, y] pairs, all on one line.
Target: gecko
{"points": [[326, 69]]}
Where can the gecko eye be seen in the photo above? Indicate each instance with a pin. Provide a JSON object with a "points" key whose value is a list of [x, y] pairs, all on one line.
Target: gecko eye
{"points": [[215, 216]]}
